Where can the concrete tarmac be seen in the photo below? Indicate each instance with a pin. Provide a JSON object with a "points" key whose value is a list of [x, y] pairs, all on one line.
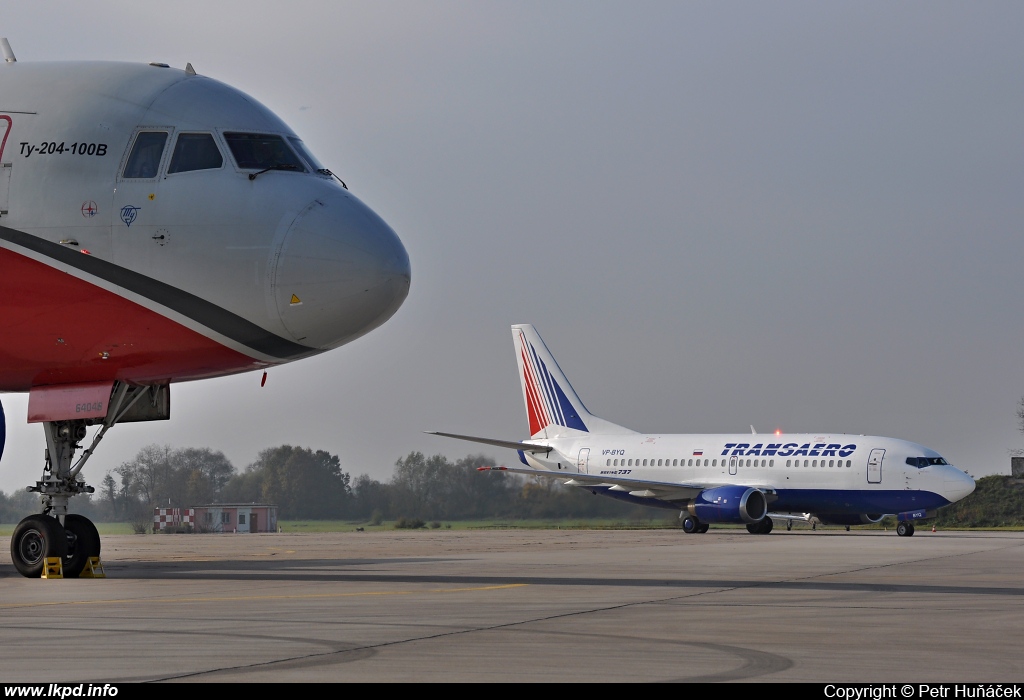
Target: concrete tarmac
{"points": [[527, 605]]}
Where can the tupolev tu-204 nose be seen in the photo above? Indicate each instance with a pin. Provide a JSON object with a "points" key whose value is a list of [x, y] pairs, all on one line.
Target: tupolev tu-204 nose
{"points": [[340, 272]]}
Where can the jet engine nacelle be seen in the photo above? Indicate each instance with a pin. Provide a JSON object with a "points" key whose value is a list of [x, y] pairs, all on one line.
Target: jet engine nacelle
{"points": [[862, 519], [729, 504]]}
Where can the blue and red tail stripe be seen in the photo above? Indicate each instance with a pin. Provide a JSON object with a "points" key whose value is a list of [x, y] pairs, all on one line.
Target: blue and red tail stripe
{"points": [[546, 402]]}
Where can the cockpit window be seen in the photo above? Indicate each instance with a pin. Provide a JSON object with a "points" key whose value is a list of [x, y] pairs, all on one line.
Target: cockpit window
{"points": [[310, 159], [925, 461], [262, 152], [144, 160], [195, 152]]}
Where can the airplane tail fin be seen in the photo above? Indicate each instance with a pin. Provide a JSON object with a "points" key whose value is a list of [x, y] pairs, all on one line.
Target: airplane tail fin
{"points": [[552, 406]]}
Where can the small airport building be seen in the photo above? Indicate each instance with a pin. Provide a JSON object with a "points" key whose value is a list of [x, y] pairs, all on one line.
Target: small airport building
{"points": [[237, 517], [219, 517]]}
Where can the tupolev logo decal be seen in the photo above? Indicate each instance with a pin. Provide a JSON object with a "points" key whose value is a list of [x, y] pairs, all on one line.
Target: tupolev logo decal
{"points": [[129, 214]]}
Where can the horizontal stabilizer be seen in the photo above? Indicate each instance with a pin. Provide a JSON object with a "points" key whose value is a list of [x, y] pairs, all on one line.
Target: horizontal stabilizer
{"points": [[510, 444]]}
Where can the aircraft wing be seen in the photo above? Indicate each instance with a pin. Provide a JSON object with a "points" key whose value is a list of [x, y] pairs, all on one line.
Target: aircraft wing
{"points": [[669, 491]]}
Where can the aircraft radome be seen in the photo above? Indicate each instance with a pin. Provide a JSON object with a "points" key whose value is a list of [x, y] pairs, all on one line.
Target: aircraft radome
{"points": [[158, 226], [747, 478]]}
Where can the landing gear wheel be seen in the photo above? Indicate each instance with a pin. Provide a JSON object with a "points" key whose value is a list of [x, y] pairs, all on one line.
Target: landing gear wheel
{"points": [[36, 538], [761, 527], [704, 527], [789, 525], [905, 529], [691, 525], [83, 542]]}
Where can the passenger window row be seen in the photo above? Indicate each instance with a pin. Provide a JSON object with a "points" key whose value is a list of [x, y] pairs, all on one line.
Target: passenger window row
{"points": [[665, 462], [814, 462]]}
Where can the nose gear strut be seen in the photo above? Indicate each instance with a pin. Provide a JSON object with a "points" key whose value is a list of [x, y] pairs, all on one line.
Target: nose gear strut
{"points": [[54, 532]]}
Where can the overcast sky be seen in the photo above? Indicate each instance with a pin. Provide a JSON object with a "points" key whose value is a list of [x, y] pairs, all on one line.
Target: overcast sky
{"points": [[803, 216]]}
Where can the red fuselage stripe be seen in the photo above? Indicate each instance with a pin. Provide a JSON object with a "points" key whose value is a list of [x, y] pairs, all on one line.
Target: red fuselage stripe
{"points": [[57, 329]]}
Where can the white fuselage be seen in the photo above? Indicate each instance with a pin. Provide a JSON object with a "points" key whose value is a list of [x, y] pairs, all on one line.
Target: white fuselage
{"points": [[807, 472]]}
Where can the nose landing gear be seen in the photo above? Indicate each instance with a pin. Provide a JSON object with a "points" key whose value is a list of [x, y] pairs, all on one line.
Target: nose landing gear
{"points": [[905, 529], [55, 532]]}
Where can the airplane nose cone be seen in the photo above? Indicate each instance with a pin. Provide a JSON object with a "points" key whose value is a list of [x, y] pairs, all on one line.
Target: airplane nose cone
{"points": [[958, 485], [341, 272]]}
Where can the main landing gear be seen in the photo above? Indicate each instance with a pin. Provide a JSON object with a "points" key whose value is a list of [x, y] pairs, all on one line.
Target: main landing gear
{"points": [[693, 526], [905, 529], [55, 533]]}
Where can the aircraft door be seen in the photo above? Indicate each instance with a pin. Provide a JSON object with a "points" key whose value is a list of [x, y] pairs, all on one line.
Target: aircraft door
{"points": [[875, 466], [732, 466], [134, 214], [581, 461]]}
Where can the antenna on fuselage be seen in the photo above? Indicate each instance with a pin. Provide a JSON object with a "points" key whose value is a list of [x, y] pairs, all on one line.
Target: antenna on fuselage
{"points": [[5, 46], [189, 70]]}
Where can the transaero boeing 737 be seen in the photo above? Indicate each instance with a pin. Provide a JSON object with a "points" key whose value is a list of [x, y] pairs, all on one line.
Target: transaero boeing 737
{"points": [[746, 479], [158, 226]]}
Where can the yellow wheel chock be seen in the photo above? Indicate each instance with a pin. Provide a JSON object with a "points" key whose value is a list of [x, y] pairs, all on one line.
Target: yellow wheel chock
{"points": [[53, 568], [93, 569]]}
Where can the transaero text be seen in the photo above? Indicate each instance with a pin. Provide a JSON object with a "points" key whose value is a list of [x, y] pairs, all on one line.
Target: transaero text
{"points": [[790, 449]]}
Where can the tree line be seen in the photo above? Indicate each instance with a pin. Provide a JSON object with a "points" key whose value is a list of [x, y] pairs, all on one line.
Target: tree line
{"points": [[307, 484]]}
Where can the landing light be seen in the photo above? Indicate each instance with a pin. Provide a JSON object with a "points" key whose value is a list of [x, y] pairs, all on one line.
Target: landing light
{"points": [[778, 432]]}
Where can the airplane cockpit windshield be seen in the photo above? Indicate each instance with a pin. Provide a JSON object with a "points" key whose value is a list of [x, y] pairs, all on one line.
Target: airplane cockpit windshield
{"points": [[262, 152], [144, 160], [920, 462], [310, 159], [195, 152]]}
